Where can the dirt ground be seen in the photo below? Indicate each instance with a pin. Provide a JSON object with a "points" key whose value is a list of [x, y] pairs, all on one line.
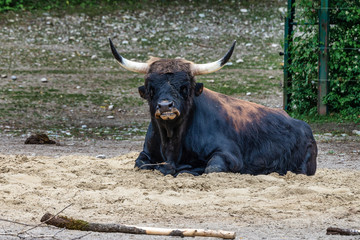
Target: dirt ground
{"points": [[45, 178]]}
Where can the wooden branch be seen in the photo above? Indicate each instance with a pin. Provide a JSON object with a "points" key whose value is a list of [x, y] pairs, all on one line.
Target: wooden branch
{"points": [[341, 231], [73, 224]]}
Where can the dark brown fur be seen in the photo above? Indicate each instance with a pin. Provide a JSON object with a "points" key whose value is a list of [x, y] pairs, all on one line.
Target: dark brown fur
{"points": [[163, 66]]}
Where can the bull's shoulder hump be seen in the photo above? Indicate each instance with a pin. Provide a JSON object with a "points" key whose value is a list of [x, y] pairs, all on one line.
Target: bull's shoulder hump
{"points": [[234, 106], [223, 99]]}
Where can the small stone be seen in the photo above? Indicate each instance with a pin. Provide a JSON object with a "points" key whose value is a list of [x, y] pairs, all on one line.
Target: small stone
{"points": [[3, 76], [125, 42], [201, 15], [271, 77], [78, 87], [110, 117], [239, 60], [274, 45], [248, 94], [243, 10], [229, 63], [102, 156], [248, 45], [356, 132], [93, 57], [84, 126], [111, 107], [210, 81], [282, 10], [344, 135], [13, 77], [328, 134], [44, 80]]}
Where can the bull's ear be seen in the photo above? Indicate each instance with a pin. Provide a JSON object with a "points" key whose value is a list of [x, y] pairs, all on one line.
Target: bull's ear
{"points": [[142, 92], [199, 89]]}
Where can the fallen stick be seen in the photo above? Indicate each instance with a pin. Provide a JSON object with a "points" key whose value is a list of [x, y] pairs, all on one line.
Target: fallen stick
{"points": [[73, 224], [341, 231]]}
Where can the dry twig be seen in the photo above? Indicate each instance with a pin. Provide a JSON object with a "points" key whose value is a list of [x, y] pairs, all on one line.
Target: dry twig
{"points": [[73, 224], [341, 231], [25, 232]]}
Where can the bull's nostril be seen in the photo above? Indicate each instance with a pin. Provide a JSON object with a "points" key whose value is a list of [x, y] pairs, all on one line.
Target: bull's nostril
{"points": [[165, 106]]}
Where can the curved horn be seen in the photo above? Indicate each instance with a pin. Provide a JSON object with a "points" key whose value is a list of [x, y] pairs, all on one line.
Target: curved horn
{"points": [[128, 64], [199, 69]]}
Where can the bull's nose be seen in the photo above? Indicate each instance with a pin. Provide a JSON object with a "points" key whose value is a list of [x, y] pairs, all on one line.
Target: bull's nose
{"points": [[165, 106]]}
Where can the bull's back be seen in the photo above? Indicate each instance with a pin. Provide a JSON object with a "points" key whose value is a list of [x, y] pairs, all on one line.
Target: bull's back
{"points": [[266, 140], [236, 113]]}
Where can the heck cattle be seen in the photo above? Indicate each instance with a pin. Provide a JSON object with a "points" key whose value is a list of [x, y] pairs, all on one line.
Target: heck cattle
{"points": [[196, 130]]}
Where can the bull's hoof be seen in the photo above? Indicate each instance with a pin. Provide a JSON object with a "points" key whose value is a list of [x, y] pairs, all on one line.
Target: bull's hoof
{"points": [[167, 169], [213, 168], [186, 171], [142, 165]]}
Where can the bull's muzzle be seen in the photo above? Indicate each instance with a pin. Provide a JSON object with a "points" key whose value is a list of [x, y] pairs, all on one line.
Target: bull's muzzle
{"points": [[165, 110]]}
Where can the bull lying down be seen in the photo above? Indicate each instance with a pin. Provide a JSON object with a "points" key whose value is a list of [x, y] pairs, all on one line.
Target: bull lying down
{"points": [[196, 130]]}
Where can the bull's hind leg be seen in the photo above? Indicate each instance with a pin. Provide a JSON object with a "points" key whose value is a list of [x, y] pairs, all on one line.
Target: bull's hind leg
{"points": [[308, 165], [311, 160]]}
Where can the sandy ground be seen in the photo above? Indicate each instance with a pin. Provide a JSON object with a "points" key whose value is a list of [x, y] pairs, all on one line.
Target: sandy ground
{"points": [[35, 179]]}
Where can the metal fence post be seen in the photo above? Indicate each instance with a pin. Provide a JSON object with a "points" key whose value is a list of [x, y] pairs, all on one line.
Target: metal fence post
{"points": [[323, 84], [288, 37]]}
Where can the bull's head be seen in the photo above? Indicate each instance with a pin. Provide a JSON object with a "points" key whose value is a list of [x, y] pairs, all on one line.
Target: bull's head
{"points": [[170, 86]]}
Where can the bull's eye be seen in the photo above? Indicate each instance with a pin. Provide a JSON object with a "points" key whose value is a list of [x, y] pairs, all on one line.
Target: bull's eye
{"points": [[184, 91], [152, 92]]}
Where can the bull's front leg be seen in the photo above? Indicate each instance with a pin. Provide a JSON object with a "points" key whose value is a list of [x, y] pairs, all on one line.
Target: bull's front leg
{"points": [[223, 162], [171, 152], [143, 161], [150, 157]]}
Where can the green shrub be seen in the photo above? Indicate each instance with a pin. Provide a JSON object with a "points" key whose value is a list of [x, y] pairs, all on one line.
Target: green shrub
{"points": [[6, 5], [344, 61]]}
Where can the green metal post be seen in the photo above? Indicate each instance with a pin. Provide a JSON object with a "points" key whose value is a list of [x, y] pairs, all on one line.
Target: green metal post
{"points": [[287, 55], [323, 85]]}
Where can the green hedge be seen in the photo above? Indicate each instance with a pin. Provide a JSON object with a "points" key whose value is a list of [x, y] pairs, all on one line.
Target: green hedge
{"points": [[344, 62]]}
